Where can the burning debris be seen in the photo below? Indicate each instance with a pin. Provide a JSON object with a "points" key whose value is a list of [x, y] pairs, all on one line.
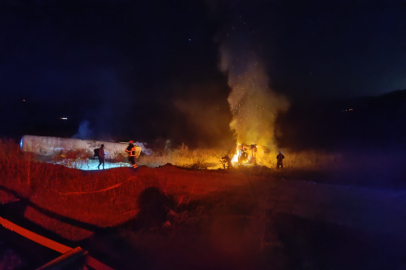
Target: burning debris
{"points": [[251, 154]]}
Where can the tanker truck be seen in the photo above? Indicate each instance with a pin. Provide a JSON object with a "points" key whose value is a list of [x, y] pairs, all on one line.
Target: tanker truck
{"points": [[53, 146]]}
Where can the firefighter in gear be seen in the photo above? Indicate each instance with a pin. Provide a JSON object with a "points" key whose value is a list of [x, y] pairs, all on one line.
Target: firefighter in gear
{"points": [[131, 154], [226, 160], [279, 162]]}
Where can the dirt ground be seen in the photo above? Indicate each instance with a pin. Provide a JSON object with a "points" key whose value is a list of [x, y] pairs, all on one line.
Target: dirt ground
{"points": [[172, 218]]}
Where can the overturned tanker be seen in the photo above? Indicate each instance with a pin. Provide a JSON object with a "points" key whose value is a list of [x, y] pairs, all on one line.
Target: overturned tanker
{"points": [[250, 154], [51, 146]]}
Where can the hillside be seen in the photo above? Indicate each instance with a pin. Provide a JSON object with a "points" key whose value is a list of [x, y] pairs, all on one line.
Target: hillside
{"points": [[365, 122]]}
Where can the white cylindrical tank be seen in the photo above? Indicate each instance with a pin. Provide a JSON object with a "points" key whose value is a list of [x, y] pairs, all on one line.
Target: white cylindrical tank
{"points": [[50, 146]]}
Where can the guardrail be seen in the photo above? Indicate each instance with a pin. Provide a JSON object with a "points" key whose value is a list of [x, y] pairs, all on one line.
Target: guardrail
{"points": [[69, 255]]}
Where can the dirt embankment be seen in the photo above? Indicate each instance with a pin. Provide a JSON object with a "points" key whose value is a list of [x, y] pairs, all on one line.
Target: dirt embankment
{"points": [[175, 218]]}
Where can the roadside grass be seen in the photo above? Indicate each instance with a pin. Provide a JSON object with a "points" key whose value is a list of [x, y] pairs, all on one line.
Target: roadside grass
{"points": [[211, 159], [183, 157]]}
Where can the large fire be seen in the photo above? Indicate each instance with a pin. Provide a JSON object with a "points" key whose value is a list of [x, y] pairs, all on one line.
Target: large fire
{"points": [[249, 154], [253, 104]]}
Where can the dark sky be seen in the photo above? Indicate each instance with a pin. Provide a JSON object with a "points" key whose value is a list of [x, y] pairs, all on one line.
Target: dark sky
{"points": [[149, 69]]}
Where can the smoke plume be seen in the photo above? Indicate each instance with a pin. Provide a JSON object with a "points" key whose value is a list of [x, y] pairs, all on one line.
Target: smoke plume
{"points": [[84, 131], [144, 149], [253, 104]]}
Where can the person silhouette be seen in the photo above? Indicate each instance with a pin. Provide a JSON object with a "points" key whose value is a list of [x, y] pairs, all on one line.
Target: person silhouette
{"points": [[131, 154], [102, 155], [279, 162]]}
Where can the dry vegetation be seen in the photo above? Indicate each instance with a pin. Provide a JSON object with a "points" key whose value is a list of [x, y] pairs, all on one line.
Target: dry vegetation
{"points": [[183, 157], [211, 159]]}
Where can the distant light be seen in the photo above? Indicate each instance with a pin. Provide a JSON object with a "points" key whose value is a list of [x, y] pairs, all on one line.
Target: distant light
{"points": [[190, 39], [23, 100], [350, 109], [64, 118], [21, 143]]}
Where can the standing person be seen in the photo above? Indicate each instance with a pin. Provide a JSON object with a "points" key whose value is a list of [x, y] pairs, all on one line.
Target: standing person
{"points": [[279, 162], [101, 156], [226, 160], [131, 154]]}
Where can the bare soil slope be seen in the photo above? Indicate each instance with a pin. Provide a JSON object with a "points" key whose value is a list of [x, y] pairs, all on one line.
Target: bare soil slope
{"points": [[172, 218]]}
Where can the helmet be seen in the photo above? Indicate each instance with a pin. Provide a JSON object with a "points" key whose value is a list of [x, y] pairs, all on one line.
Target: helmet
{"points": [[280, 152], [131, 141]]}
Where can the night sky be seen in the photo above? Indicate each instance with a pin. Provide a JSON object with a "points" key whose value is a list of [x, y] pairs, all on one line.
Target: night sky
{"points": [[150, 70]]}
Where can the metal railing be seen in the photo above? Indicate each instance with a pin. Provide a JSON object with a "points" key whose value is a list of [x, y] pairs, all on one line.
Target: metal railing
{"points": [[69, 255]]}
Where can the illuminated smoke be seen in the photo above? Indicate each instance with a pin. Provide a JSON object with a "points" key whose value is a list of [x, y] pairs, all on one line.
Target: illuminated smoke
{"points": [[144, 149], [253, 104], [84, 131]]}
